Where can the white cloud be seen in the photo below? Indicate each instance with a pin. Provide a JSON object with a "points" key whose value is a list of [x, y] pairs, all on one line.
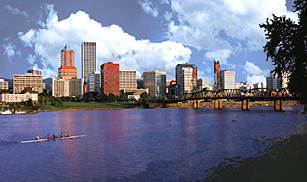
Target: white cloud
{"points": [[251, 69], [16, 11], [148, 8], [167, 16], [254, 73], [252, 79], [219, 55], [10, 50], [142, 55], [164, 2], [223, 24]]}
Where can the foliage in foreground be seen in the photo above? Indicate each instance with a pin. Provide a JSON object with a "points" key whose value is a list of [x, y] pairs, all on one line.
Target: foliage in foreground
{"points": [[284, 159], [287, 47]]}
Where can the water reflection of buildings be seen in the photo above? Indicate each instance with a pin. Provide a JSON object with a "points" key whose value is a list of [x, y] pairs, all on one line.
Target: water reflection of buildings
{"points": [[115, 125]]}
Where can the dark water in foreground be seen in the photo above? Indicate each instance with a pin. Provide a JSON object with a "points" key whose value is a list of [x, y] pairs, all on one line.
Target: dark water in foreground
{"points": [[134, 144]]}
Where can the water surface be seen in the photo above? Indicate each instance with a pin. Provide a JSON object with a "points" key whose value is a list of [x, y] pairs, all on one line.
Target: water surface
{"points": [[175, 144]]}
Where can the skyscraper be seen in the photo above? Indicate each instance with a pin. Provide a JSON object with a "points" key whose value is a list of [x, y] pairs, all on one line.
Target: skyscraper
{"points": [[155, 81], [67, 69], [88, 61], [110, 78], [228, 79], [186, 78]]}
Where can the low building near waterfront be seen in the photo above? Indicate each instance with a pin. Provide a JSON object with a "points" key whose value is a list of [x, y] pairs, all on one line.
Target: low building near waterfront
{"points": [[135, 93], [24, 96], [243, 86], [33, 79], [4, 85], [67, 87]]}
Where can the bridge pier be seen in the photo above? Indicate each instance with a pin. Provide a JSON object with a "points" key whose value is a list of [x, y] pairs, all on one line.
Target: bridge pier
{"points": [[217, 103], [196, 104], [245, 104], [278, 105]]}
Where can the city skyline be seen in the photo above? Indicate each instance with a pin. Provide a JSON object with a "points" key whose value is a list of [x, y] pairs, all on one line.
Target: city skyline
{"points": [[153, 37]]}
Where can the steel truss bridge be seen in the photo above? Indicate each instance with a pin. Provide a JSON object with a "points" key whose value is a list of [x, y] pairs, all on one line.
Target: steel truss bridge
{"points": [[236, 94]]}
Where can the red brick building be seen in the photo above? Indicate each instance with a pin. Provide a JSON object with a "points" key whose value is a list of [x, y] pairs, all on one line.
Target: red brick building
{"points": [[67, 69], [110, 78]]}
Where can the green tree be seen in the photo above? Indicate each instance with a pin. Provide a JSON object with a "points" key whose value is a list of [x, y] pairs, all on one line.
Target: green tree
{"points": [[29, 102], [112, 97], [287, 47]]}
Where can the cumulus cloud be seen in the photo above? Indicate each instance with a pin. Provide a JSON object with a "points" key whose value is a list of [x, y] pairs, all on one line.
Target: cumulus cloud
{"points": [[142, 55], [148, 8], [9, 49], [255, 74], [223, 24], [16, 11], [219, 55]]}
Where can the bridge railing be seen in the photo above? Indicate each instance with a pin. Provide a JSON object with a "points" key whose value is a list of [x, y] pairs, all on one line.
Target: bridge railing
{"points": [[238, 93]]}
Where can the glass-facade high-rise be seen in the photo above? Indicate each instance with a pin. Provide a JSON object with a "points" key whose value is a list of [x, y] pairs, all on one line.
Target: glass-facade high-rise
{"points": [[155, 81]]}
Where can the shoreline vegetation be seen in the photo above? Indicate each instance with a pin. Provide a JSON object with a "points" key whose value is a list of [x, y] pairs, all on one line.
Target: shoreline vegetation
{"points": [[283, 159]]}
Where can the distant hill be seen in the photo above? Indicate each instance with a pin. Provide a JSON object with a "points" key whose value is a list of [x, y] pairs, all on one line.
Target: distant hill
{"points": [[48, 83]]}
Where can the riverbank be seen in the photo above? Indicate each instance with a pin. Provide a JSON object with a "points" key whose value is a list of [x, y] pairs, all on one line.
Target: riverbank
{"points": [[72, 106], [283, 160]]}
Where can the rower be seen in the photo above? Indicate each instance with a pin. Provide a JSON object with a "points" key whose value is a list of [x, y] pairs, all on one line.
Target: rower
{"points": [[37, 138], [67, 134], [61, 134], [48, 136], [53, 135]]}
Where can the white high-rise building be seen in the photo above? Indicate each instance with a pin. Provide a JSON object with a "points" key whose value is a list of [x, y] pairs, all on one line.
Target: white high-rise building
{"points": [[186, 78], [93, 82], [228, 79], [88, 61]]}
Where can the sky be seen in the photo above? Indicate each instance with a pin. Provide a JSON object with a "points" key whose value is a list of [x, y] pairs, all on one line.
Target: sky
{"points": [[145, 35]]}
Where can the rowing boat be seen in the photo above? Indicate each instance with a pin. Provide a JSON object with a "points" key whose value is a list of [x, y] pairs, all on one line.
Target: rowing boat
{"points": [[56, 138]]}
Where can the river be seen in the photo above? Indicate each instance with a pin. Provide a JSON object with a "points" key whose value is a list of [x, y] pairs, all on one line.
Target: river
{"points": [[171, 144]]}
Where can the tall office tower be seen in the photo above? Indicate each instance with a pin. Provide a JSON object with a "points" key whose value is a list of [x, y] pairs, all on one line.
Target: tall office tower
{"points": [[155, 81], [186, 78], [228, 79], [88, 61], [30, 79], [273, 82], [110, 78], [127, 79], [217, 76], [4, 85], [67, 69], [93, 82]]}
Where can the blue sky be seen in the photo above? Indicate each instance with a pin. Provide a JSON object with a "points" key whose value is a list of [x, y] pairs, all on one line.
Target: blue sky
{"points": [[145, 34]]}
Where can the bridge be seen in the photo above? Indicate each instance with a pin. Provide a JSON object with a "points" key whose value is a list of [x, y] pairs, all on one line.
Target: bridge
{"points": [[217, 97]]}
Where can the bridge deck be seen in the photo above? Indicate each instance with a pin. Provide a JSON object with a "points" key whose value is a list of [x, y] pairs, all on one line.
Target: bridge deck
{"points": [[244, 97]]}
